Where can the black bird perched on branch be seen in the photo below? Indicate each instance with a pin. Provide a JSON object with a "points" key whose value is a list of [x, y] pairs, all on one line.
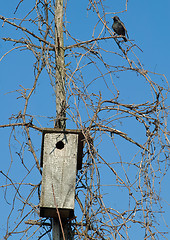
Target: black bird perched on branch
{"points": [[119, 28]]}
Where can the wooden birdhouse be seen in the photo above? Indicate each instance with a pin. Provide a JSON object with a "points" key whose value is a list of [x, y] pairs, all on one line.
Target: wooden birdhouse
{"points": [[61, 157]]}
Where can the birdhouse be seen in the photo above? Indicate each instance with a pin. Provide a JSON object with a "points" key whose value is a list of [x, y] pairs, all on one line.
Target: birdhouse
{"points": [[61, 157]]}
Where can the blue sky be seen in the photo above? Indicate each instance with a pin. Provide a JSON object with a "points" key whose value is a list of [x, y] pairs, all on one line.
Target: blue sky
{"points": [[147, 23]]}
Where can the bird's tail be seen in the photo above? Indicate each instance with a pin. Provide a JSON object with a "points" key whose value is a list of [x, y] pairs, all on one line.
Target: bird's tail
{"points": [[125, 39]]}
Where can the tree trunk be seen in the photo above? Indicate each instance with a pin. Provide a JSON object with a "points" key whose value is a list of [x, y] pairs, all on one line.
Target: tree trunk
{"points": [[60, 73]]}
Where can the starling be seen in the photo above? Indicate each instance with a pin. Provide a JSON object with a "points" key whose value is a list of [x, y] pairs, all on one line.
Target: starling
{"points": [[119, 27]]}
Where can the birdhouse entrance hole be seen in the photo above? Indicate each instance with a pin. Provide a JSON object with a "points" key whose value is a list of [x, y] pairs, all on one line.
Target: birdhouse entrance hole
{"points": [[60, 145]]}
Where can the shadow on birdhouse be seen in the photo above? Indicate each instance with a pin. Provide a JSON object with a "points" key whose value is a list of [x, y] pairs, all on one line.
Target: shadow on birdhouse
{"points": [[61, 157]]}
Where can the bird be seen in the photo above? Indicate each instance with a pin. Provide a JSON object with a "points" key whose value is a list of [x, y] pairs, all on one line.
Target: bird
{"points": [[119, 28]]}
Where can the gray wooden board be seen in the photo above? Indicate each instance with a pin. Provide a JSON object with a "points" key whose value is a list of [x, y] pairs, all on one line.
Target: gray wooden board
{"points": [[59, 170]]}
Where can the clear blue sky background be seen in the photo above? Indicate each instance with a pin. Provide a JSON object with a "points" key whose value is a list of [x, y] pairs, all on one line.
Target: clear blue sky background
{"points": [[147, 23]]}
